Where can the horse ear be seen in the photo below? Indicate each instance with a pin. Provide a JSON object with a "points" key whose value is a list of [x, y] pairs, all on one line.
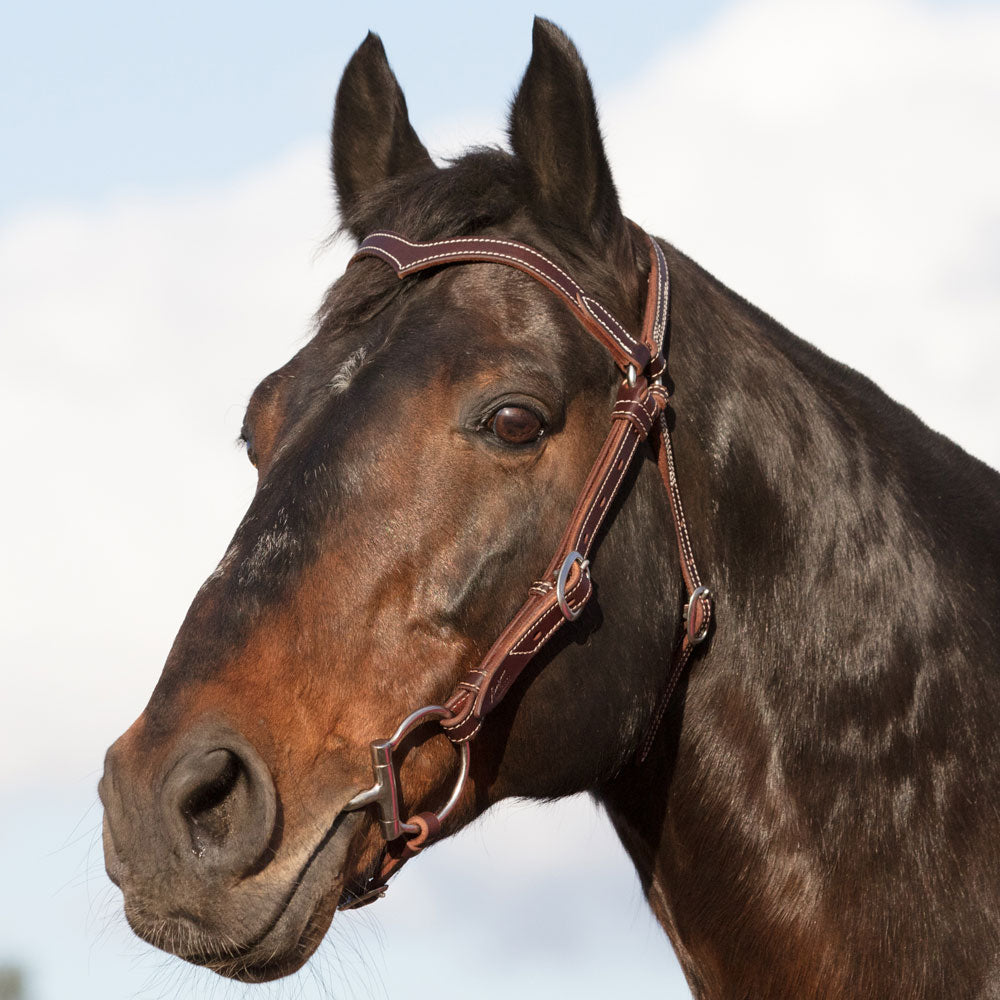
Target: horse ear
{"points": [[372, 139], [554, 131]]}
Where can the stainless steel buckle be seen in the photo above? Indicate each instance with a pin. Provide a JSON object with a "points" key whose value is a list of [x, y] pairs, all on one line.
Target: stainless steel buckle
{"points": [[385, 793], [697, 594], [573, 557]]}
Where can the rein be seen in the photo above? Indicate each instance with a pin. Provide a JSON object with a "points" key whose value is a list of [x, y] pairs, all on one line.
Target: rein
{"points": [[566, 586]]}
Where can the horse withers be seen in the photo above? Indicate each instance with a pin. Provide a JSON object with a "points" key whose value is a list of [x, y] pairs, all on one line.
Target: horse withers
{"points": [[815, 813]]}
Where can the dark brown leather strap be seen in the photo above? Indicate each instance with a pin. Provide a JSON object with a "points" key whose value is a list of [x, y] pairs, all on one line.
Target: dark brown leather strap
{"points": [[541, 616], [698, 609], [406, 257], [566, 585], [657, 310]]}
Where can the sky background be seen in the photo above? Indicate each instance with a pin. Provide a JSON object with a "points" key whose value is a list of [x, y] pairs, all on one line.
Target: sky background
{"points": [[164, 207]]}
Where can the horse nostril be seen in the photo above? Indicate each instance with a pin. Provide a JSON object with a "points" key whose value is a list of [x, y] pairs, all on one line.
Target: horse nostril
{"points": [[219, 795], [220, 807]]}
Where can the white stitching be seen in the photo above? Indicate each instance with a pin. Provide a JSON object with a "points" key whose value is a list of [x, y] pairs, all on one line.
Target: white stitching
{"points": [[635, 415], [586, 301], [625, 467], [632, 411], [496, 680], [465, 739], [600, 490], [662, 297], [589, 303], [514, 651], [476, 239], [675, 500], [633, 419], [383, 252]]}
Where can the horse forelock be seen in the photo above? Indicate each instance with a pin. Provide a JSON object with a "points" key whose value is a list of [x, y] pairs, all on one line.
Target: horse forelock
{"points": [[483, 191]]}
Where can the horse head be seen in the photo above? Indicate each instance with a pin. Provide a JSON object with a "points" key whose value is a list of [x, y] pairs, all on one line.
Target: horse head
{"points": [[416, 462]]}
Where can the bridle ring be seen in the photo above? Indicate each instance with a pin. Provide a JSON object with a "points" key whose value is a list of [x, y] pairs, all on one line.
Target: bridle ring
{"points": [[385, 794], [574, 557]]}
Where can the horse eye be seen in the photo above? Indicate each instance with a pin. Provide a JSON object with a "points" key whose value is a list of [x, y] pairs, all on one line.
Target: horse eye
{"points": [[516, 425]]}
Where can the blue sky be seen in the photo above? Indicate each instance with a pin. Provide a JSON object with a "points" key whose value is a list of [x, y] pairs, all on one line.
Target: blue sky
{"points": [[163, 205], [119, 96], [110, 96]]}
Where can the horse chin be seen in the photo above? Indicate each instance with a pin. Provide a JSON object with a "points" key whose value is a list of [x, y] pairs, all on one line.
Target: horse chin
{"points": [[280, 953], [293, 913]]}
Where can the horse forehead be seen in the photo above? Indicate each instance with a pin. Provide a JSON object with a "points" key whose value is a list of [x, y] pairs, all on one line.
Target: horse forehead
{"points": [[481, 305], [459, 313]]}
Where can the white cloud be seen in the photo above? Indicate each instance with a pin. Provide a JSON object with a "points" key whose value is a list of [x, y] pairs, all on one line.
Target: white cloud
{"points": [[134, 334], [835, 163]]}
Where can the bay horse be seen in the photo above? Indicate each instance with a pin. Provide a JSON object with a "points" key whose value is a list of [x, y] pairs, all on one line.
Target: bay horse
{"points": [[816, 812]]}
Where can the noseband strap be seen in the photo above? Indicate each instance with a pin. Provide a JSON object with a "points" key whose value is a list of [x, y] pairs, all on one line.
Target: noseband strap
{"points": [[565, 587]]}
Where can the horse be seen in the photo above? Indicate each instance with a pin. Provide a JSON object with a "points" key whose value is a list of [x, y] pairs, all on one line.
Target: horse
{"points": [[798, 753]]}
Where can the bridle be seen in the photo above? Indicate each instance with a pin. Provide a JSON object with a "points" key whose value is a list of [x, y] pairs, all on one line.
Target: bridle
{"points": [[565, 587]]}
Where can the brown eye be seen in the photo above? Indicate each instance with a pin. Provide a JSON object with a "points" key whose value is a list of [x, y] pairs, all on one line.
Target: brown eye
{"points": [[516, 425]]}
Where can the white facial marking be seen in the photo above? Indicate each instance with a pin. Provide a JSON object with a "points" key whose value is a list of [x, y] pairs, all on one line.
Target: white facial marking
{"points": [[345, 374]]}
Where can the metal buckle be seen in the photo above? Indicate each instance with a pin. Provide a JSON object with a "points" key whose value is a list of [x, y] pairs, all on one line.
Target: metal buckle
{"points": [[573, 557], [384, 793], [697, 594]]}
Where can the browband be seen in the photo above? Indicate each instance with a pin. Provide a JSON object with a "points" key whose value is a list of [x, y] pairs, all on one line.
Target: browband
{"points": [[407, 257]]}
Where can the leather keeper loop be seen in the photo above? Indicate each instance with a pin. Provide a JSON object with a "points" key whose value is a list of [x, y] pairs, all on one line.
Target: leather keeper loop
{"points": [[636, 413], [430, 828]]}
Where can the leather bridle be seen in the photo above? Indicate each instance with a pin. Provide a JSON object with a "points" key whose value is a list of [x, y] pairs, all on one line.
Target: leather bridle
{"points": [[565, 587]]}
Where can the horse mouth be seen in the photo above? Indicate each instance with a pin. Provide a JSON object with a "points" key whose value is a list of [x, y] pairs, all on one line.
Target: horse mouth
{"points": [[261, 963], [298, 922]]}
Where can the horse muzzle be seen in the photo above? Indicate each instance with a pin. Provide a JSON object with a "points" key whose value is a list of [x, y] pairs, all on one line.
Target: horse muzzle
{"points": [[201, 856]]}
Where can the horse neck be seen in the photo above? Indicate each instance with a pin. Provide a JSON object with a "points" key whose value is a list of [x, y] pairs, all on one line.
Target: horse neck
{"points": [[829, 524]]}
